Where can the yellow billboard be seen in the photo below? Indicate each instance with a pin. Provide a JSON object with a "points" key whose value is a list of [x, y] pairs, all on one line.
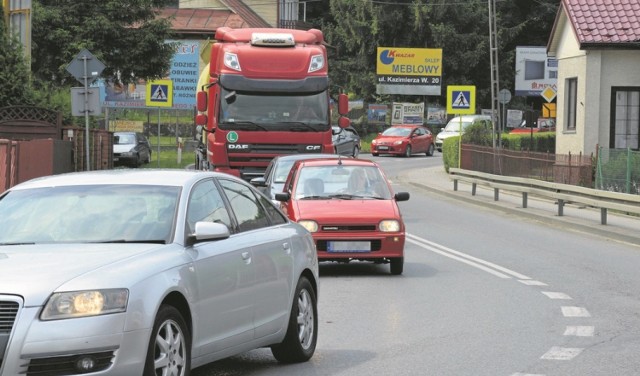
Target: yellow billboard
{"points": [[409, 61], [413, 71]]}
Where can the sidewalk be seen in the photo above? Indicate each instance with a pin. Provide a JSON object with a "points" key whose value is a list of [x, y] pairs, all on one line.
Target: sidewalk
{"points": [[619, 227]]}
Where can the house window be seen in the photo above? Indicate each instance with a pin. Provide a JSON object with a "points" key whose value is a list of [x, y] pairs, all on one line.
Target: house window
{"points": [[625, 118], [572, 99]]}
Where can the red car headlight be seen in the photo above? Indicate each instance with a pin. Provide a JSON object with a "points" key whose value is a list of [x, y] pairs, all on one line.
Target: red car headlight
{"points": [[389, 225]]}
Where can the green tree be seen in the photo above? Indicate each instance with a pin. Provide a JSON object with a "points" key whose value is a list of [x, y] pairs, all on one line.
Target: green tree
{"points": [[461, 29], [15, 88], [125, 35]]}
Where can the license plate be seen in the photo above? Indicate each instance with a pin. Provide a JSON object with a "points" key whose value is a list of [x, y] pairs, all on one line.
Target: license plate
{"points": [[383, 147], [348, 247]]}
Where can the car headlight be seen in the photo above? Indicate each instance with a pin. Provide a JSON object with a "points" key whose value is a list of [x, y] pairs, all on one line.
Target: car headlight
{"points": [[389, 225], [311, 226], [398, 142], [126, 154], [65, 305], [373, 142]]}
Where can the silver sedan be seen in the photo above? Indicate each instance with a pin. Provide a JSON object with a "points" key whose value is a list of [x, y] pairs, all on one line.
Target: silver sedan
{"points": [[149, 273]]}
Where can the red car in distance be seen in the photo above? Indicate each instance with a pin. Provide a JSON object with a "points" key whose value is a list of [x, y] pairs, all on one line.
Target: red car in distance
{"points": [[404, 140], [350, 209]]}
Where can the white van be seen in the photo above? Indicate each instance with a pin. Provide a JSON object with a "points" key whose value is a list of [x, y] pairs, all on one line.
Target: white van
{"points": [[453, 127]]}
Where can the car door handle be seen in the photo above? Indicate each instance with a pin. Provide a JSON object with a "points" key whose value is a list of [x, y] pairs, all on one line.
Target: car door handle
{"points": [[246, 256], [286, 248]]}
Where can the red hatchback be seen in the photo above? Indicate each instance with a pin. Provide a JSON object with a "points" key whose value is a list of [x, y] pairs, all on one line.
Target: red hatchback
{"points": [[404, 140], [349, 208]]}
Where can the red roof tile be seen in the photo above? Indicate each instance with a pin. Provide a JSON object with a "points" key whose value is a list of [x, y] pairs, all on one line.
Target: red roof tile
{"points": [[203, 21], [604, 21]]}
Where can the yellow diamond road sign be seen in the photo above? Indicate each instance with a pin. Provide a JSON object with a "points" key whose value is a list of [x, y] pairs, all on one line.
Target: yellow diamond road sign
{"points": [[548, 94], [159, 93]]}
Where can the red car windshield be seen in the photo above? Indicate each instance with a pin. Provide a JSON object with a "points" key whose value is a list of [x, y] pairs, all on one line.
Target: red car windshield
{"points": [[342, 182]]}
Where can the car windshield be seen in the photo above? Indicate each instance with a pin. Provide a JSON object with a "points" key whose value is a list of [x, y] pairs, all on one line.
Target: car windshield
{"points": [[260, 111], [397, 131], [282, 171], [341, 182], [85, 214], [124, 139], [454, 125]]}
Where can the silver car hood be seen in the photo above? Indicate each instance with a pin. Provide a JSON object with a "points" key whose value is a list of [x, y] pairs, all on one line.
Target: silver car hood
{"points": [[35, 271]]}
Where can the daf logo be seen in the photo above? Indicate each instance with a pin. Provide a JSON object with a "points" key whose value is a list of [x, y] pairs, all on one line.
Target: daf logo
{"points": [[313, 147], [238, 146]]}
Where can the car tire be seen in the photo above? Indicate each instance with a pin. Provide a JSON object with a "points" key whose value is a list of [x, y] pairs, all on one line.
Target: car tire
{"points": [[430, 150], [397, 265], [407, 152], [356, 152], [299, 343], [170, 345], [136, 161], [374, 154], [440, 150]]}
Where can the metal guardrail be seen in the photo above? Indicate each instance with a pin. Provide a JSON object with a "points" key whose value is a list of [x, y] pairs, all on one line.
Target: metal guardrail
{"points": [[561, 193]]}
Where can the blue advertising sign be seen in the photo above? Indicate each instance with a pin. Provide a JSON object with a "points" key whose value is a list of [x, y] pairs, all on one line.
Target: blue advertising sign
{"points": [[184, 73]]}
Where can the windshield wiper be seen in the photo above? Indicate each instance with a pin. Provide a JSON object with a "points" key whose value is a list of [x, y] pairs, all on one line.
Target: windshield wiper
{"points": [[154, 241], [314, 198], [245, 124], [300, 126], [18, 243]]}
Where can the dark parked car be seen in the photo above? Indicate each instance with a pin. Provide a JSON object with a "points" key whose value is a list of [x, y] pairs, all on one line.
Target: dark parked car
{"points": [[276, 173], [346, 141], [130, 149]]}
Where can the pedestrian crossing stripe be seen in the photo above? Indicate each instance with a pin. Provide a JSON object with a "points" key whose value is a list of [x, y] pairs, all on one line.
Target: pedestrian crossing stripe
{"points": [[461, 99], [159, 93]]}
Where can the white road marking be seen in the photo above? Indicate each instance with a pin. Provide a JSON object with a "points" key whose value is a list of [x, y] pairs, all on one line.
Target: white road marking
{"points": [[575, 312], [561, 353], [526, 374], [556, 295], [489, 267], [580, 331], [533, 283]]}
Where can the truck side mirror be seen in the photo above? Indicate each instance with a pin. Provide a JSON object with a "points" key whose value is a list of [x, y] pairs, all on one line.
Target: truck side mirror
{"points": [[344, 122], [201, 101], [343, 104]]}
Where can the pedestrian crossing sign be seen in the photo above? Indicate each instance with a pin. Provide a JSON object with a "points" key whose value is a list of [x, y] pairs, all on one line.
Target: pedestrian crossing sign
{"points": [[159, 93], [461, 99]]}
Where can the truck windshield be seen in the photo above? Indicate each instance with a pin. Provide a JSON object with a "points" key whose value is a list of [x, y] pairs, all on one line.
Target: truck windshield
{"points": [[295, 111]]}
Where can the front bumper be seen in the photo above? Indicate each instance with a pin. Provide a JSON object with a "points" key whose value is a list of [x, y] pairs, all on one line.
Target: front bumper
{"points": [[43, 347], [388, 149], [382, 246]]}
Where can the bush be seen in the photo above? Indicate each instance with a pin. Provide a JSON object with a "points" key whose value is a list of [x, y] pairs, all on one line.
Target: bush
{"points": [[450, 152], [544, 142]]}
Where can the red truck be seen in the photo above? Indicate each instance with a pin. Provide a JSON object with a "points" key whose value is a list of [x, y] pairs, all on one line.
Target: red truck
{"points": [[264, 93]]}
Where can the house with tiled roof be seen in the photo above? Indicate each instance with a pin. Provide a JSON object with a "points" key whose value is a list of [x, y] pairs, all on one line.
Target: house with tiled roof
{"points": [[597, 45]]}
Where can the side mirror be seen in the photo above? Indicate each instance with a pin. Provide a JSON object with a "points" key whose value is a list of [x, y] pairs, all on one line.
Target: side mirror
{"points": [[201, 101], [201, 119], [343, 104], [283, 197], [258, 182], [344, 122], [402, 196]]}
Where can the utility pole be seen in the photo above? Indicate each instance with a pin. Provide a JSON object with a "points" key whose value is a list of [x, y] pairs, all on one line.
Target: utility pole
{"points": [[495, 77]]}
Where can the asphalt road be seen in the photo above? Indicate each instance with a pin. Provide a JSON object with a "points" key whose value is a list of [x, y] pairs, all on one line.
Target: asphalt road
{"points": [[484, 292]]}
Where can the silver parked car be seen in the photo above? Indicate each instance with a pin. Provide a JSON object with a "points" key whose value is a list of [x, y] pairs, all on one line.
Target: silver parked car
{"points": [[149, 272], [275, 175]]}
